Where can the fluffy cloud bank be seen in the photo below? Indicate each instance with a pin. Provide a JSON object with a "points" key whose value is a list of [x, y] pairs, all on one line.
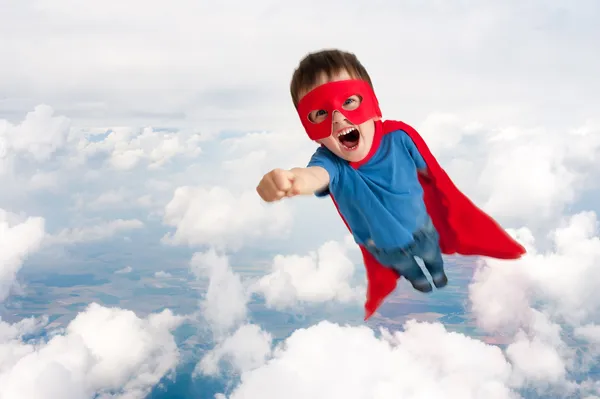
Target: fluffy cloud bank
{"points": [[126, 148], [539, 304], [108, 352], [18, 238], [522, 176], [332, 361], [321, 276]]}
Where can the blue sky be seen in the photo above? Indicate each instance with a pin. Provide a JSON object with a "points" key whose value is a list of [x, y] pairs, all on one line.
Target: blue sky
{"points": [[133, 135]]}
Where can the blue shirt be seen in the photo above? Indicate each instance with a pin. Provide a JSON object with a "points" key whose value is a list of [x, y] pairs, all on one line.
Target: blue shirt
{"points": [[382, 200]]}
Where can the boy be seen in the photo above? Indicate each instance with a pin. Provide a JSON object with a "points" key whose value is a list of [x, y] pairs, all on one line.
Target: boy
{"points": [[384, 181]]}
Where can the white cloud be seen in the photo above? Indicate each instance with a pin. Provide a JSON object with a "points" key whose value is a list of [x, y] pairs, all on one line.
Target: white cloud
{"points": [[218, 218], [18, 239], [321, 276], [246, 349], [39, 136], [565, 279], [536, 361], [126, 148], [162, 274], [534, 164], [103, 351], [239, 346], [424, 361], [526, 301], [42, 155], [224, 304], [520, 176], [590, 332], [537, 300], [125, 270]]}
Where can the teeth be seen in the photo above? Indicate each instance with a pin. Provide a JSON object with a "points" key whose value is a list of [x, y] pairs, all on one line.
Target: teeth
{"points": [[345, 131]]}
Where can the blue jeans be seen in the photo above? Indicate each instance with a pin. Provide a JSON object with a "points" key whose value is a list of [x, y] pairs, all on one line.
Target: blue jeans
{"points": [[425, 246]]}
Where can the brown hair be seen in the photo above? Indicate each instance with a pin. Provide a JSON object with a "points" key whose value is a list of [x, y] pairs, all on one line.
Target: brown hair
{"points": [[329, 62]]}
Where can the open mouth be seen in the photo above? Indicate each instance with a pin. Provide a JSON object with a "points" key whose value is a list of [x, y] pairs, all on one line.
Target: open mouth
{"points": [[349, 138]]}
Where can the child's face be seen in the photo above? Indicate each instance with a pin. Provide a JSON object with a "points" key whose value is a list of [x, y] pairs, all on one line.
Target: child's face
{"points": [[356, 143]]}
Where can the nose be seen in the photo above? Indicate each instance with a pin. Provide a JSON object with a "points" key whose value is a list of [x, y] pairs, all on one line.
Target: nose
{"points": [[338, 117]]}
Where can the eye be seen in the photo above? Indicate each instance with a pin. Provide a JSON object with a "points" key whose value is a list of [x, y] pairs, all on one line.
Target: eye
{"points": [[317, 116], [352, 102]]}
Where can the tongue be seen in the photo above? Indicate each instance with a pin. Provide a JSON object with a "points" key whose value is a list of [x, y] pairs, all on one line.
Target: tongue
{"points": [[349, 140]]}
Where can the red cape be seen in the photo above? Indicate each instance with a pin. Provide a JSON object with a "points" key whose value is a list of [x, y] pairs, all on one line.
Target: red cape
{"points": [[463, 227]]}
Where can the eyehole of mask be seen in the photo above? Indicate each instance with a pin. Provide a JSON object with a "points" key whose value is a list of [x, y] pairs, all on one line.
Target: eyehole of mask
{"points": [[316, 119], [355, 101]]}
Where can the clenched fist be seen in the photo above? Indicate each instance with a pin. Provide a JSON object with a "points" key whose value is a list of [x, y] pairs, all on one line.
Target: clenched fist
{"points": [[278, 184]]}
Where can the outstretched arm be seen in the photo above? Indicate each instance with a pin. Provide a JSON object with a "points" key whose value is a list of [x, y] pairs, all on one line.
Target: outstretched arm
{"points": [[310, 180], [280, 183]]}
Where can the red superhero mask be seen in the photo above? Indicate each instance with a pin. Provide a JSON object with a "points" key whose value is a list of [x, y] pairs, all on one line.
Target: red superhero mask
{"points": [[331, 97]]}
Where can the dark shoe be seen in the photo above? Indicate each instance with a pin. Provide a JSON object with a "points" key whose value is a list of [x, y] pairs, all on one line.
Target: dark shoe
{"points": [[422, 285], [440, 280]]}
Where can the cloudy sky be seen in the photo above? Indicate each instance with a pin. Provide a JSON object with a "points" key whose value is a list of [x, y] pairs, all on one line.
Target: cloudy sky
{"points": [[123, 121]]}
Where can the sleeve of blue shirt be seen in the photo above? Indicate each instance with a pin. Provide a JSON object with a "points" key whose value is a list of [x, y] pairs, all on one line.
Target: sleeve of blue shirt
{"points": [[414, 153], [325, 159]]}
